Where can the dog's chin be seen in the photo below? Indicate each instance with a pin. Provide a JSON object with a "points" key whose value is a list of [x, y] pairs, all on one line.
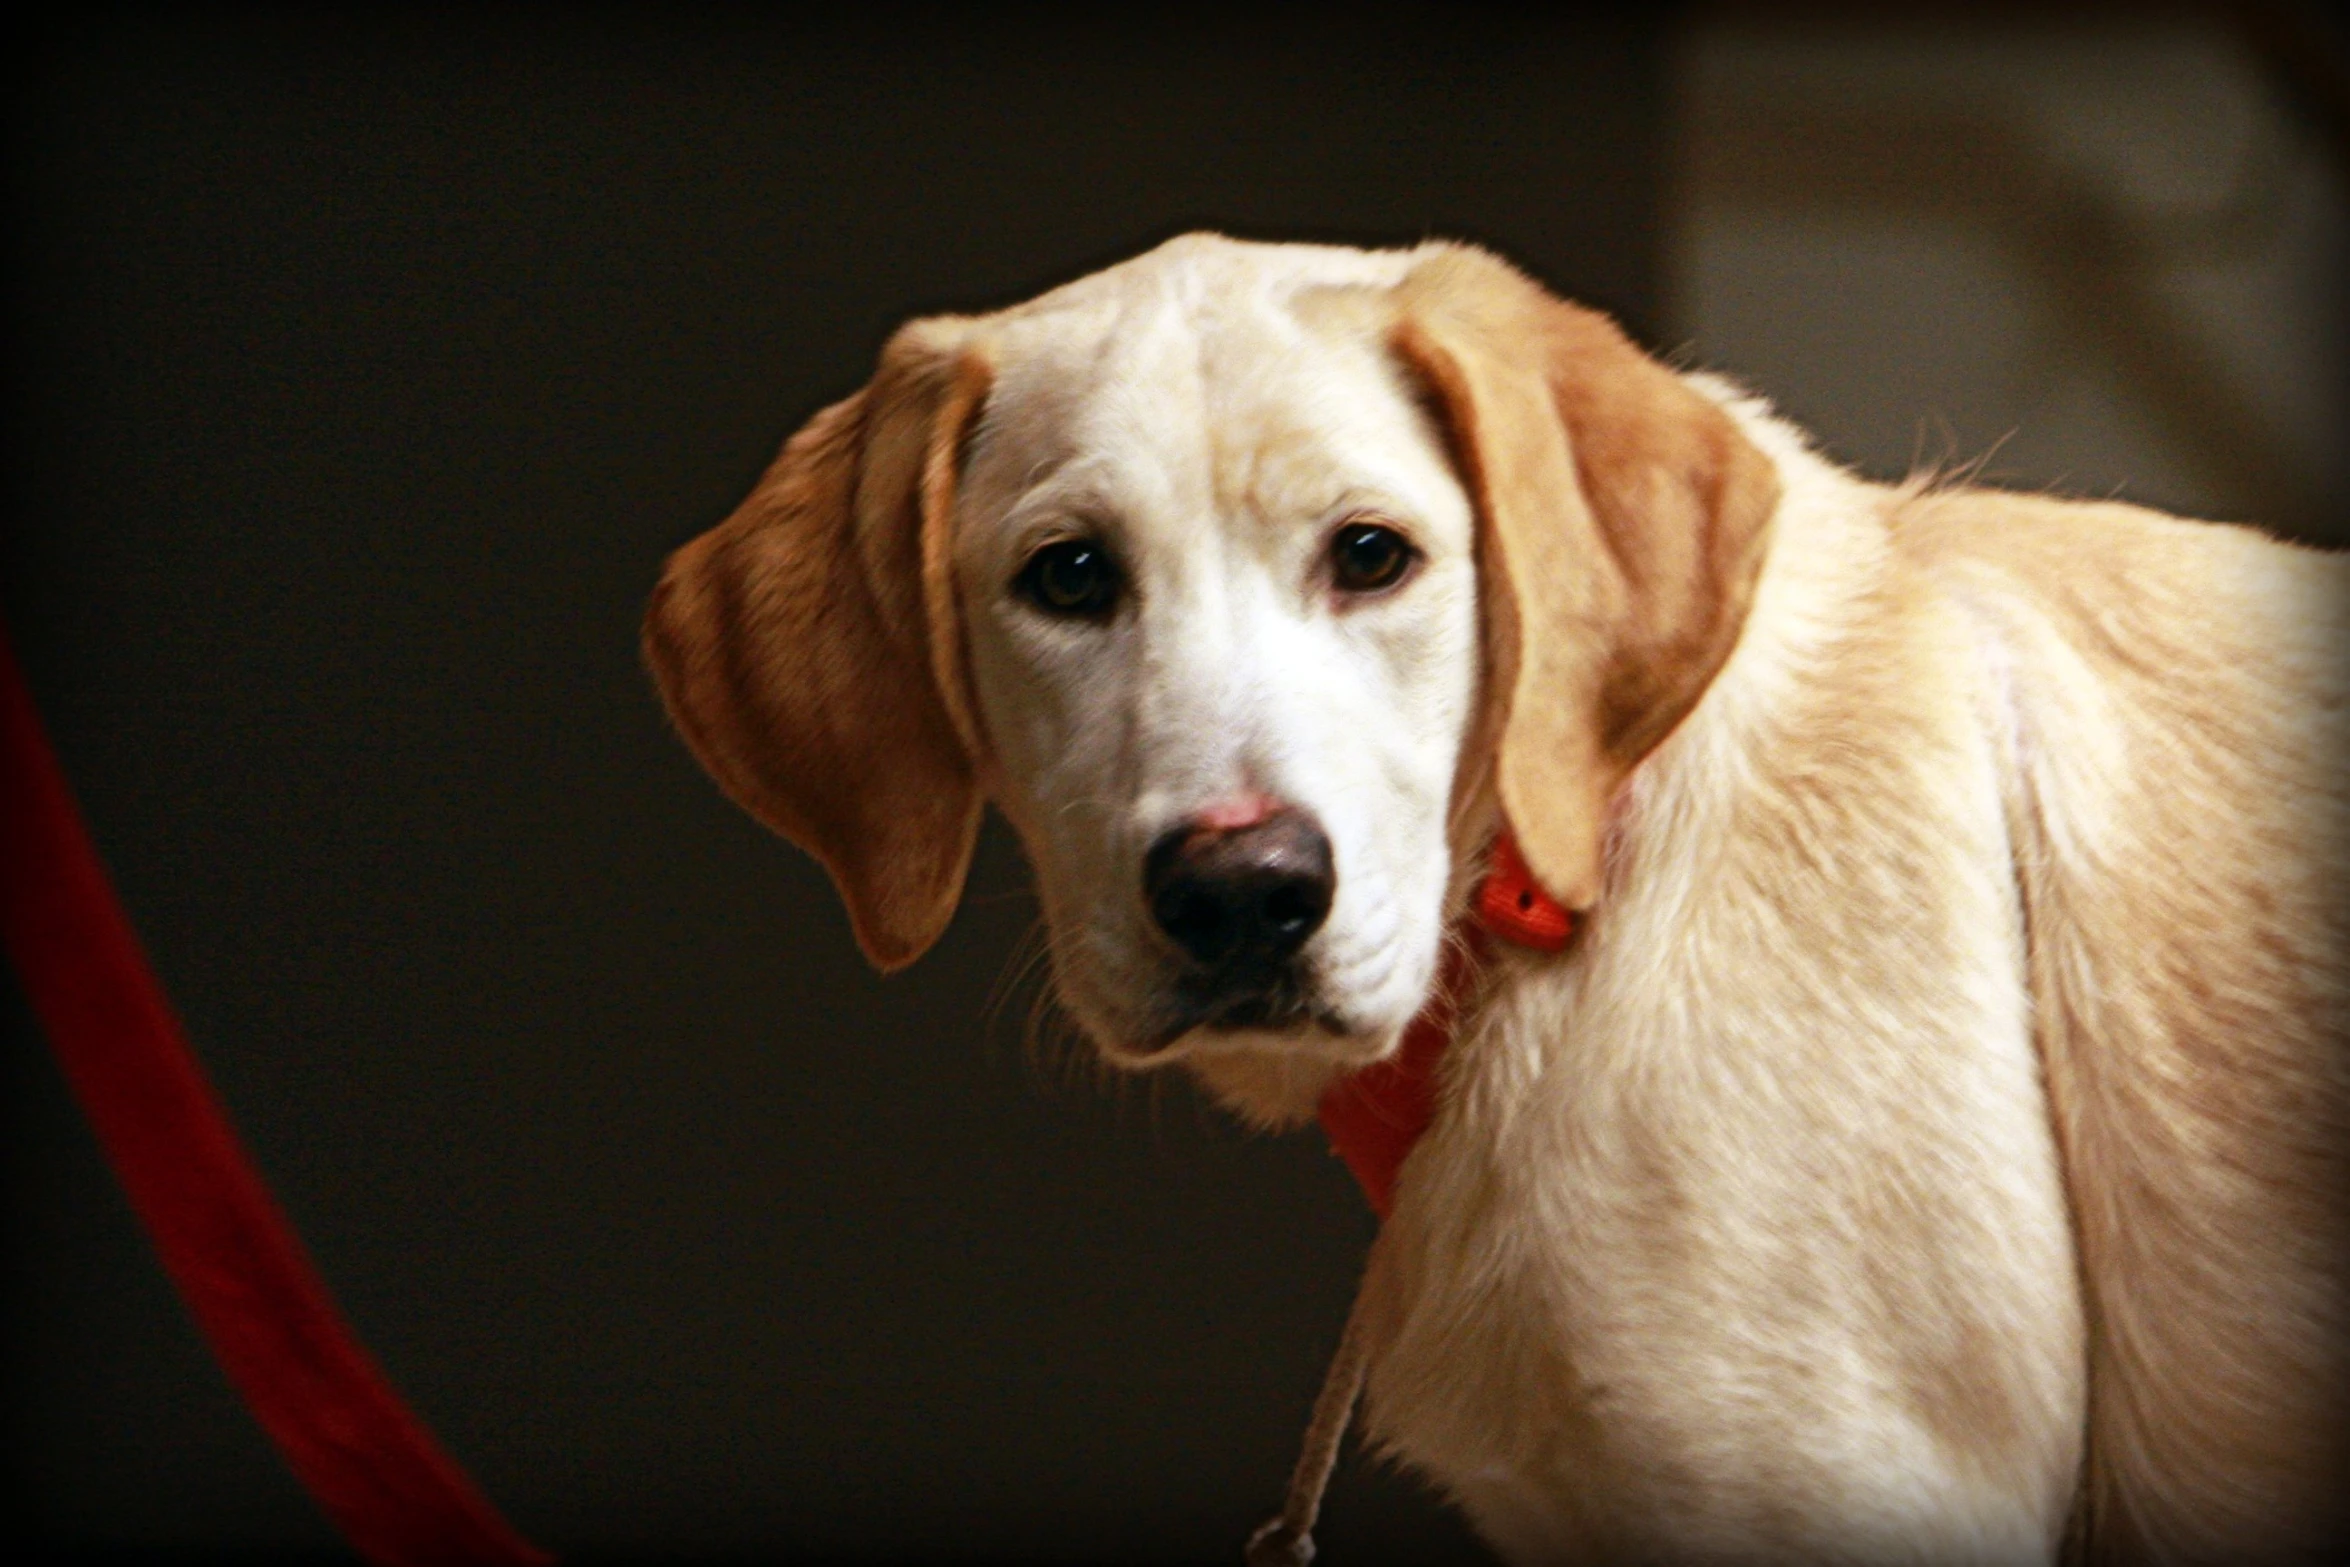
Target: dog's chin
{"points": [[1272, 1092], [1271, 1074], [1277, 1079]]}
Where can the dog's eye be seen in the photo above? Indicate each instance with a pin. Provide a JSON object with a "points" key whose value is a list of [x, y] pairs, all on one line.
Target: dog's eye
{"points": [[1365, 557], [1074, 578]]}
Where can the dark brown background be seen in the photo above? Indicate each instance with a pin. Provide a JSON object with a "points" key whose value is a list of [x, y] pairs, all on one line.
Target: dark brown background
{"points": [[363, 374]]}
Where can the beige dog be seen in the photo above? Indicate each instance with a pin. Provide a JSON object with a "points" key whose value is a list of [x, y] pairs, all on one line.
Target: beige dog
{"points": [[1932, 1146]]}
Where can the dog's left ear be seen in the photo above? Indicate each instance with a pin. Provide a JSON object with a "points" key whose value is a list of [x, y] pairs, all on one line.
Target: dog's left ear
{"points": [[810, 652], [1621, 517]]}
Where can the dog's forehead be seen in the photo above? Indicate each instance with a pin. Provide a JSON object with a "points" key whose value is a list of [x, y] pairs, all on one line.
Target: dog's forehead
{"points": [[1201, 272], [1207, 373]]}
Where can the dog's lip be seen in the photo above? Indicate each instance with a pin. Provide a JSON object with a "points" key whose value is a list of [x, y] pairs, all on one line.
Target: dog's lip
{"points": [[1305, 1024], [1259, 1012], [1265, 998]]}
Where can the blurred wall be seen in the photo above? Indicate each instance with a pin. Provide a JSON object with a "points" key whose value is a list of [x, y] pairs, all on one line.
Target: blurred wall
{"points": [[2098, 249], [363, 373]]}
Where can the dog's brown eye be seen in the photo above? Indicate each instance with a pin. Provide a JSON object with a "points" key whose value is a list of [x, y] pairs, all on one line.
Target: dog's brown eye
{"points": [[1366, 557], [1075, 578]]}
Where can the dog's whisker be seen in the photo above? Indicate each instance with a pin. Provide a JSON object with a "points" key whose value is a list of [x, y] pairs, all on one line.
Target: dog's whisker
{"points": [[1027, 950]]}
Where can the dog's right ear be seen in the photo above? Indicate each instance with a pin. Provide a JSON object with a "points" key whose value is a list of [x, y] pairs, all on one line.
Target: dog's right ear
{"points": [[809, 650]]}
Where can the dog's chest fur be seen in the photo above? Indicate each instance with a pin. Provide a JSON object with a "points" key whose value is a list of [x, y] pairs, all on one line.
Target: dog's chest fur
{"points": [[1652, 1281]]}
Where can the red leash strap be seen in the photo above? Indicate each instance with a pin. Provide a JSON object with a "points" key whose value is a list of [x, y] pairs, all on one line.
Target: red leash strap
{"points": [[366, 1459]]}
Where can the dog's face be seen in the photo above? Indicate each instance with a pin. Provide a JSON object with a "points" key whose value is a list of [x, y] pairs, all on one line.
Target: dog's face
{"points": [[1218, 584], [1256, 585]]}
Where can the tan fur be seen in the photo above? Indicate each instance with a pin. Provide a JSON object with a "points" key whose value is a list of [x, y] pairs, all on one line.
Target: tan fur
{"points": [[1931, 1150]]}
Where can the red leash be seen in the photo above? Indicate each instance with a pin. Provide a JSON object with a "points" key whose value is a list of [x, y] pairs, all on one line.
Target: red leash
{"points": [[364, 1457]]}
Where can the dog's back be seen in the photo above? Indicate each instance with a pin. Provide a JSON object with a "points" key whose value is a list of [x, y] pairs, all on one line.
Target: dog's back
{"points": [[2171, 701]]}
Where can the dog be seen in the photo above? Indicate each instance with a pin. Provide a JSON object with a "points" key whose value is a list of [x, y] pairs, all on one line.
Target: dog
{"points": [[1931, 1146]]}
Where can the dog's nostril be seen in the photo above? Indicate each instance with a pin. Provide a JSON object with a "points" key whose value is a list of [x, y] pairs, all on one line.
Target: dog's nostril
{"points": [[1246, 896], [1296, 907], [1199, 922]]}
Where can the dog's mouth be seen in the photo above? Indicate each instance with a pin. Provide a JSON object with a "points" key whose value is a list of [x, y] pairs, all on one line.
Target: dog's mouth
{"points": [[1223, 1006]]}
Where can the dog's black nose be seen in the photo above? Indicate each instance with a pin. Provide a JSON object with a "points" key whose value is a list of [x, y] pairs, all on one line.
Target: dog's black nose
{"points": [[1241, 896]]}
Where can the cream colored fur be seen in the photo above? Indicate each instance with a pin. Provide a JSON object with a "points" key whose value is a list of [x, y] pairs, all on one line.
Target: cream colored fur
{"points": [[1931, 1150]]}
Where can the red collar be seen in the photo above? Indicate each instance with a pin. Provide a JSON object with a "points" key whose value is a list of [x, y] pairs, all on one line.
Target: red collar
{"points": [[1374, 1116]]}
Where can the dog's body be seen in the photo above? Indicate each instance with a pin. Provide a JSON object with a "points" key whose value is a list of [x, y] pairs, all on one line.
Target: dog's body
{"points": [[1931, 1149], [1953, 1074]]}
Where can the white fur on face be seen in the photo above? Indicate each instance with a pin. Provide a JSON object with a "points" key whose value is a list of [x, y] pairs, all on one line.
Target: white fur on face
{"points": [[1198, 416]]}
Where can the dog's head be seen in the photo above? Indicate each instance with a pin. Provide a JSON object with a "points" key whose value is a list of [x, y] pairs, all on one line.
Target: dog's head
{"points": [[1258, 586]]}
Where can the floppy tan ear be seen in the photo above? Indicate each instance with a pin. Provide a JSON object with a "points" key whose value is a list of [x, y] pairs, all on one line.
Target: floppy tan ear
{"points": [[1622, 518], [809, 651]]}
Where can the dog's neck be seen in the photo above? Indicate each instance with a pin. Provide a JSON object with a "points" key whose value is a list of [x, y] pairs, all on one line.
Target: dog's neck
{"points": [[1374, 1116]]}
